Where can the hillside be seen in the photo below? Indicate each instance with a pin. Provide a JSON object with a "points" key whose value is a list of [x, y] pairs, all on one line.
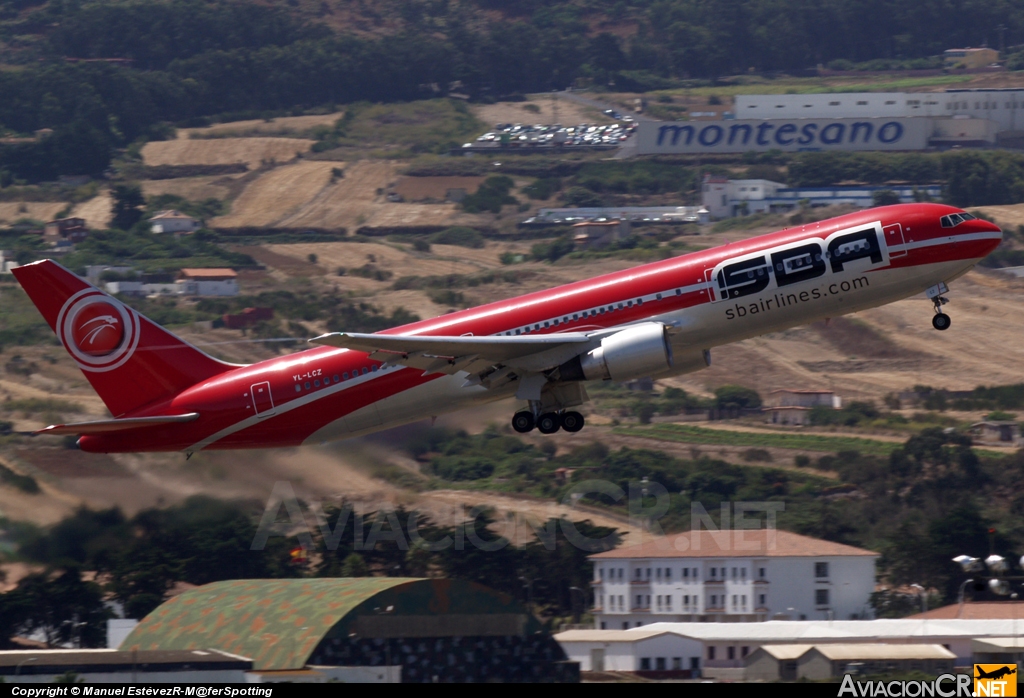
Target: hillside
{"points": [[127, 70]]}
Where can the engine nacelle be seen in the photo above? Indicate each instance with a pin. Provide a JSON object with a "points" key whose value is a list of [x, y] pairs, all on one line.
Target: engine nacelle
{"points": [[641, 350]]}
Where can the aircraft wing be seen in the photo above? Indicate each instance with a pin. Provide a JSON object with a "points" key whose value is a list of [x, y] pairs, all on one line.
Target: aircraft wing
{"points": [[105, 426], [450, 355]]}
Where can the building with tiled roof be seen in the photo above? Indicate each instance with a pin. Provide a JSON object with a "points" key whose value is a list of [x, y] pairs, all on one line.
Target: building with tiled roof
{"points": [[207, 282], [731, 575]]}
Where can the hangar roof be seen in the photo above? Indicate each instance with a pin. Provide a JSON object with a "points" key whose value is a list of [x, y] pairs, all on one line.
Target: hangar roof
{"points": [[279, 623], [275, 622]]}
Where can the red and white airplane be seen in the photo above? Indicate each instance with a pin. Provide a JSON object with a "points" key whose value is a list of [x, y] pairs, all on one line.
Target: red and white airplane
{"points": [[658, 319]]}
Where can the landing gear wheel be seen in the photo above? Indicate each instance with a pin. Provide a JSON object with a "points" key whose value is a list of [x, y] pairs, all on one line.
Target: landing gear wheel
{"points": [[548, 423], [941, 321], [572, 421], [523, 422]]}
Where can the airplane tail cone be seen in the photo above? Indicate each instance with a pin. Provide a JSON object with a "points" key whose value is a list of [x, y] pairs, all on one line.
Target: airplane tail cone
{"points": [[130, 361]]}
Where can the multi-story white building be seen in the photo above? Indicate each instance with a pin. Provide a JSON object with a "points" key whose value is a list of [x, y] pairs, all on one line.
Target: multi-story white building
{"points": [[731, 575]]}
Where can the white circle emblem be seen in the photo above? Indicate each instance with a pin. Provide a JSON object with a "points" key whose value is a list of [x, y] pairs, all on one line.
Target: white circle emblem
{"points": [[99, 332]]}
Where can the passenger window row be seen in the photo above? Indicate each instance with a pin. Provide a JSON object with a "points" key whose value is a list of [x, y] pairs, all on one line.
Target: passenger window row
{"points": [[583, 315], [326, 380]]}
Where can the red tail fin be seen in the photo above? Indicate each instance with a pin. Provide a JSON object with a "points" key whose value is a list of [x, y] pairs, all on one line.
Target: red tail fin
{"points": [[129, 360]]}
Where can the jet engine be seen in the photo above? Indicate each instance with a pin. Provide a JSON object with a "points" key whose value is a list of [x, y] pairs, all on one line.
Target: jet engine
{"points": [[637, 351]]}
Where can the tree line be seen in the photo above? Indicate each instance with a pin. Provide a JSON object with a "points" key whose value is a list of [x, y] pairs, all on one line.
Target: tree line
{"points": [[96, 561], [191, 59]]}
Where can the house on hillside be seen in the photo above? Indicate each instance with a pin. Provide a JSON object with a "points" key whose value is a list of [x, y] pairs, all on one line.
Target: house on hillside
{"points": [[173, 222], [66, 230], [598, 234], [208, 282], [996, 432], [794, 406]]}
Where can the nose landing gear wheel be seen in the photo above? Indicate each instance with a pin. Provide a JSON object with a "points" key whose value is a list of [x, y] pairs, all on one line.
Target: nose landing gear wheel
{"points": [[523, 422], [548, 423], [941, 321], [572, 421]]}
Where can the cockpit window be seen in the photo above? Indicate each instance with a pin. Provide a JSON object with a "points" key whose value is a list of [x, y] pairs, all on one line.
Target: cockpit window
{"points": [[955, 219]]}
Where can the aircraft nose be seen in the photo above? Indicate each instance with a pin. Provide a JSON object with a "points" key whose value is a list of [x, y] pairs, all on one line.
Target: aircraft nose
{"points": [[984, 226], [992, 227]]}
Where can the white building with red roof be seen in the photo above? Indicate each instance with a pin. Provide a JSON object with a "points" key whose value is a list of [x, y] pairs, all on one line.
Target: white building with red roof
{"points": [[731, 576], [207, 282]]}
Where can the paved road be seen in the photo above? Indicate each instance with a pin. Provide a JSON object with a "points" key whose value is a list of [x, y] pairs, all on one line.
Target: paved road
{"points": [[577, 97]]}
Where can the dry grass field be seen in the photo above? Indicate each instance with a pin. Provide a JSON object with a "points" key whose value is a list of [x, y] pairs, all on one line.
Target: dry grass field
{"points": [[301, 195], [560, 111], [394, 259], [354, 201], [97, 211], [223, 151], [277, 194], [284, 126], [1004, 215], [193, 188], [10, 211]]}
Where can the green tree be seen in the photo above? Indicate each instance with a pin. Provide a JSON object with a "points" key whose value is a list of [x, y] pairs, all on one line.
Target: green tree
{"points": [[354, 566], [62, 607], [582, 197], [128, 206], [736, 397], [885, 197], [69, 677]]}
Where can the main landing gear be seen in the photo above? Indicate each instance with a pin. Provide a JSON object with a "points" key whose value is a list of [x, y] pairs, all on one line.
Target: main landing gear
{"points": [[940, 320], [548, 422]]}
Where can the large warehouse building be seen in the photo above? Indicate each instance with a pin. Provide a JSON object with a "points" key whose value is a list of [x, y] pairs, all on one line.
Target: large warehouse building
{"points": [[846, 121], [436, 630]]}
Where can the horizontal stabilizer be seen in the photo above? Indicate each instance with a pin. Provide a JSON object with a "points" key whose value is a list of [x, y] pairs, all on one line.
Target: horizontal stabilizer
{"points": [[106, 426]]}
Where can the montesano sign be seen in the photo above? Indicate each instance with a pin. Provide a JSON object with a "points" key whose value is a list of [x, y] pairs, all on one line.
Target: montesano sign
{"points": [[740, 136]]}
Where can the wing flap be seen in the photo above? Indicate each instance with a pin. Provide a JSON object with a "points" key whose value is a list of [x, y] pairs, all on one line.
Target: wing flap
{"points": [[106, 426], [400, 348]]}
